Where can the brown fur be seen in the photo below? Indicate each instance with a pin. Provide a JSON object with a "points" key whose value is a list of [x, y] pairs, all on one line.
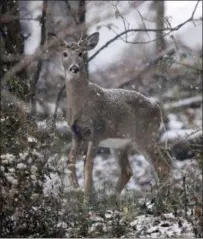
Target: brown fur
{"points": [[95, 114]]}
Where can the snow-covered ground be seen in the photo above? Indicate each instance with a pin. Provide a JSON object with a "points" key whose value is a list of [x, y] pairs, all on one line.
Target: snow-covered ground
{"points": [[143, 226], [106, 170], [106, 173]]}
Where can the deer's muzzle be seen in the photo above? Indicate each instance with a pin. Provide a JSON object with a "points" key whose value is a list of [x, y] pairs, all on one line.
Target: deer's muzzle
{"points": [[74, 69]]}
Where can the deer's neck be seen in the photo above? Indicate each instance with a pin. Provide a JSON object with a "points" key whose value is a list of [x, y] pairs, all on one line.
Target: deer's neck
{"points": [[76, 89]]}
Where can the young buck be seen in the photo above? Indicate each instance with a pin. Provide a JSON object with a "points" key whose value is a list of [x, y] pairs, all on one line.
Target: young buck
{"points": [[96, 114]]}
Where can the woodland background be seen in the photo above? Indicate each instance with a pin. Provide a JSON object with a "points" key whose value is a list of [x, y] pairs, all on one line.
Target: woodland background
{"points": [[154, 47]]}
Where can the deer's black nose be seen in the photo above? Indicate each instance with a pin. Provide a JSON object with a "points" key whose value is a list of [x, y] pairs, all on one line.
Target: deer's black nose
{"points": [[74, 68]]}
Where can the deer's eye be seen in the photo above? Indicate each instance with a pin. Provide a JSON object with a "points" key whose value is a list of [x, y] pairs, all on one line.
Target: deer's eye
{"points": [[65, 54], [80, 54]]}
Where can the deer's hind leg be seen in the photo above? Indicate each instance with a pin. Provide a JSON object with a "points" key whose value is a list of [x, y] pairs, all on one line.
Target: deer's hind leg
{"points": [[161, 163], [122, 156]]}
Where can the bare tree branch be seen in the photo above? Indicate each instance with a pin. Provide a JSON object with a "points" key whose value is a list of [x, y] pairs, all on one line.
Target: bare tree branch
{"points": [[126, 24], [5, 19], [10, 57], [169, 29]]}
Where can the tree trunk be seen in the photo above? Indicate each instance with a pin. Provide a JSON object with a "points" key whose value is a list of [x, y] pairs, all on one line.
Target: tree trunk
{"points": [[160, 12], [12, 43]]}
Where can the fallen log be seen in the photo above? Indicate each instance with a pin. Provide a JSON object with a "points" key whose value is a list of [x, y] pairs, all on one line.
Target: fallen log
{"points": [[183, 144], [195, 101]]}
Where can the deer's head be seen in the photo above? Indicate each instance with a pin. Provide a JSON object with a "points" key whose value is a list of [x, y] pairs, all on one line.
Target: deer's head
{"points": [[73, 55]]}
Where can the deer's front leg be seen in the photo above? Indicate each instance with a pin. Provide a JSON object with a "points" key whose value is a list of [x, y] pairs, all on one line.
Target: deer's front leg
{"points": [[88, 170], [75, 146]]}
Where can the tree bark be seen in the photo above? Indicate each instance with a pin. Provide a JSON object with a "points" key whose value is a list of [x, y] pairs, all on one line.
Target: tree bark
{"points": [[160, 12], [12, 43]]}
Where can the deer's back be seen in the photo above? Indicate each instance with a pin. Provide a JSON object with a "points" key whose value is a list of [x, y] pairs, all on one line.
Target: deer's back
{"points": [[120, 111], [126, 102], [139, 105]]}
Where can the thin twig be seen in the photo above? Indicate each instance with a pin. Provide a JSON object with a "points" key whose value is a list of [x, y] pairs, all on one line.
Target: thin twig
{"points": [[185, 195], [143, 21]]}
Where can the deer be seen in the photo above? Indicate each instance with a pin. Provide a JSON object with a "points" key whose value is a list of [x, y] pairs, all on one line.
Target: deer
{"points": [[96, 114]]}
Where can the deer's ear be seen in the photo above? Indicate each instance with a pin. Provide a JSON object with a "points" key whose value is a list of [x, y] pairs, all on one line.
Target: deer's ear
{"points": [[92, 41]]}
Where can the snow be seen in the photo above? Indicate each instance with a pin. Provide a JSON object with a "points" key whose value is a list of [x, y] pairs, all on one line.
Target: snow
{"points": [[106, 172], [154, 227], [180, 11], [114, 142], [23, 155], [33, 169], [52, 184], [175, 134], [11, 179], [174, 123], [21, 166], [2, 168], [32, 139], [42, 125]]}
